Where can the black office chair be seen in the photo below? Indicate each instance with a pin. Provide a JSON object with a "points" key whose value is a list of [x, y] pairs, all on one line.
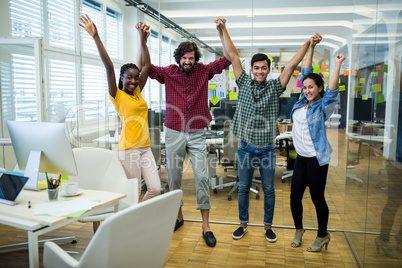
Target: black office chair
{"points": [[229, 159]]}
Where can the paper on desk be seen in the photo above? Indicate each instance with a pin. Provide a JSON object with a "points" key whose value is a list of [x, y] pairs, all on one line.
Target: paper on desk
{"points": [[62, 208]]}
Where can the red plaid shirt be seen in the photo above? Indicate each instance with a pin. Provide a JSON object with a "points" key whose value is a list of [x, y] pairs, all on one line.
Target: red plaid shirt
{"points": [[187, 93]]}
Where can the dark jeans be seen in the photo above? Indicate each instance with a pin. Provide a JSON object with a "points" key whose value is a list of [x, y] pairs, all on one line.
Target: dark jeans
{"points": [[307, 171]]}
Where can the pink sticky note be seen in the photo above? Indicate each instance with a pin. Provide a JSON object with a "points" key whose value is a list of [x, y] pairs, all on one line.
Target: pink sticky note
{"points": [[380, 80], [298, 84]]}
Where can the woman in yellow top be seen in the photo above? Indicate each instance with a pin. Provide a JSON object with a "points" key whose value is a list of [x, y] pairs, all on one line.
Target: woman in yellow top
{"points": [[134, 146]]}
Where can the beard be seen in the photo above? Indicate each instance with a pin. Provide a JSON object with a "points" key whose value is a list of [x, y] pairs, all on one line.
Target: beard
{"points": [[187, 67]]}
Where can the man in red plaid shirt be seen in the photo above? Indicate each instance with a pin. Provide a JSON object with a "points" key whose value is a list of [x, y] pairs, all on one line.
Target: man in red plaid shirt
{"points": [[187, 115]]}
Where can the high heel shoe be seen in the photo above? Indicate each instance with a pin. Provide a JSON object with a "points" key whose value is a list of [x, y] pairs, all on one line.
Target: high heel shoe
{"points": [[386, 247], [296, 242], [319, 243]]}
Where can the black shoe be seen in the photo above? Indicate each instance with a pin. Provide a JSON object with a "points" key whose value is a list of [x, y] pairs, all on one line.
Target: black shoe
{"points": [[209, 239], [178, 224]]}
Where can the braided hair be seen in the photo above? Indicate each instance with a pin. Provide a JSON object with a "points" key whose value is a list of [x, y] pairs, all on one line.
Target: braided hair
{"points": [[124, 69]]}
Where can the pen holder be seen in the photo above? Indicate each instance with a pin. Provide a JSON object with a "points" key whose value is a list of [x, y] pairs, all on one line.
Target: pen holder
{"points": [[53, 194]]}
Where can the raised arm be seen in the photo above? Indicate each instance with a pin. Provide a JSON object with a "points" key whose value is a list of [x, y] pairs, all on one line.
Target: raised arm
{"points": [[309, 57], [90, 27], [229, 48], [143, 54], [290, 67], [139, 58], [333, 83]]}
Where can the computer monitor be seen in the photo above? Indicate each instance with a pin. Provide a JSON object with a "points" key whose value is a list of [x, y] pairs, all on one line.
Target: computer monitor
{"points": [[285, 107], [229, 106], [41, 147], [363, 110], [219, 118], [295, 95], [380, 111]]}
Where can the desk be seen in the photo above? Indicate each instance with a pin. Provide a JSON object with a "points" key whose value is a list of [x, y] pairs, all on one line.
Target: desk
{"points": [[5, 142], [20, 216], [115, 140]]}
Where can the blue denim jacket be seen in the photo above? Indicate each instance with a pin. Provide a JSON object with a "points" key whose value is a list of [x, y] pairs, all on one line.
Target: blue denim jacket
{"points": [[317, 113]]}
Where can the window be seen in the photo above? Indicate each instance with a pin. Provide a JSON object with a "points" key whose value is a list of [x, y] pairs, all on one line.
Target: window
{"points": [[94, 91], [24, 85], [93, 10], [114, 34], [61, 29], [152, 95], [26, 18]]}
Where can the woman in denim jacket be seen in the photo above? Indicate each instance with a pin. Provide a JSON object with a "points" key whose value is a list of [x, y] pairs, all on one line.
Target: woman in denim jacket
{"points": [[312, 147]]}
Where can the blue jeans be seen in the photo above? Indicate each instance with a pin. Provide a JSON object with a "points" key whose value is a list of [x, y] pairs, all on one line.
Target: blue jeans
{"points": [[250, 157]]}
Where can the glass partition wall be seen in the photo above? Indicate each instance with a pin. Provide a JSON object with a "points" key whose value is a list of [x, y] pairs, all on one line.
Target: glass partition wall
{"points": [[364, 179]]}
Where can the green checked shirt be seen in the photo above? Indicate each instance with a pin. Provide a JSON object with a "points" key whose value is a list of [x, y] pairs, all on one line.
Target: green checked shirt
{"points": [[257, 110]]}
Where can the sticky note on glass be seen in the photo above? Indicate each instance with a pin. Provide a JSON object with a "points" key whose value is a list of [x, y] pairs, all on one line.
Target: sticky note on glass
{"points": [[232, 75], [342, 88], [323, 68], [354, 72], [339, 81], [374, 74], [364, 97], [379, 98], [376, 88], [316, 68], [295, 72], [212, 86], [362, 80], [326, 74], [270, 58], [325, 87], [232, 96], [385, 68], [358, 88], [214, 100], [346, 72], [380, 80], [298, 84], [378, 67]]}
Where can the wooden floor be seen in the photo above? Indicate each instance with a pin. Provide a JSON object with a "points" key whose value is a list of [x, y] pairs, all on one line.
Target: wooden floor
{"points": [[188, 248]]}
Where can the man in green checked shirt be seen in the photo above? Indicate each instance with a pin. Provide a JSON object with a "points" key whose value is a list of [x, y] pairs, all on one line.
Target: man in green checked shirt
{"points": [[254, 123]]}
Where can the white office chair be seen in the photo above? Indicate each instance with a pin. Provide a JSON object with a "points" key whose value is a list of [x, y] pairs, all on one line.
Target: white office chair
{"points": [[100, 169], [139, 236]]}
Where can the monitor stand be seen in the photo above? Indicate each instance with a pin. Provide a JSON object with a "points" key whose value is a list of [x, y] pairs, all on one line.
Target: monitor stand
{"points": [[32, 170]]}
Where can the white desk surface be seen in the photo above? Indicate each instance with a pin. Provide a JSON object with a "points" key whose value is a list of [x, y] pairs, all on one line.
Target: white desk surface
{"points": [[369, 138], [115, 139], [22, 217], [284, 135], [5, 142]]}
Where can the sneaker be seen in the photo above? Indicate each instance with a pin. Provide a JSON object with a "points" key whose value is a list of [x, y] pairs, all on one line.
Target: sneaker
{"points": [[270, 235], [239, 233]]}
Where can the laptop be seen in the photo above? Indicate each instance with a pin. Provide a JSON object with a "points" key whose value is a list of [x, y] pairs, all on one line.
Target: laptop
{"points": [[10, 188]]}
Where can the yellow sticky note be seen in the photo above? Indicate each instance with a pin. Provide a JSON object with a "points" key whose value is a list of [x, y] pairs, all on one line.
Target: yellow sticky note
{"points": [[232, 96], [374, 74], [232, 75], [364, 97], [326, 74], [362, 80], [376, 88], [64, 177], [339, 81], [358, 88], [385, 68], [214, 100], [212, 86], [342, 88], [316, 69], [325, 87]]}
